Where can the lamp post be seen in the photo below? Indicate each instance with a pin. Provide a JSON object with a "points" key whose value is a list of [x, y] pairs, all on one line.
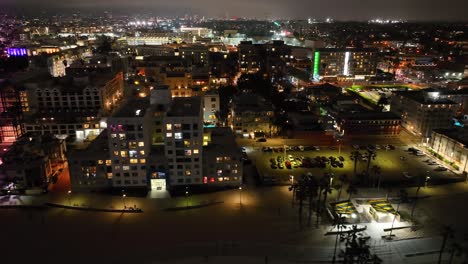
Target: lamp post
{"points": [[123, 200], [69, 197], [427, 181], [240, 196]]}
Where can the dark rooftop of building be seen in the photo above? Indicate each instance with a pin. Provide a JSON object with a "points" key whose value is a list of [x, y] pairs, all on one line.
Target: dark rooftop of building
{"points": [[185, 106], [223, 141], [247, 102], [132, 108], [370, 115], [426, 96]]}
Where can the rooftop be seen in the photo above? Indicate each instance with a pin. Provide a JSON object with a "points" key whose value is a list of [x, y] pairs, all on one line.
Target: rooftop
{"points": [[96, 148], [132, 108], [185, 106], [426, 96], [222, 141], [247, 102]]}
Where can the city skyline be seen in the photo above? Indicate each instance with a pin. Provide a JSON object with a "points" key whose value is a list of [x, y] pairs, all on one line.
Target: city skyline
{"points": [[452, 10]]}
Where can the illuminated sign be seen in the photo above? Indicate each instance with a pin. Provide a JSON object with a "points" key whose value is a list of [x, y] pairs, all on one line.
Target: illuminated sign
{"points": [[346, 63], [17, 52], [316, 65]]}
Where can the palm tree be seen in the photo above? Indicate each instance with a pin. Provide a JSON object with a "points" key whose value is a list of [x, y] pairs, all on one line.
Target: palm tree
{"points": [[355, 156], [338, 187], [371, 155], [455, 250], [327, 189], [402, 198], [351, 190], [312, 187], [420, 182], [447, 232], [377, 170], [343, 179], [323, 187]]}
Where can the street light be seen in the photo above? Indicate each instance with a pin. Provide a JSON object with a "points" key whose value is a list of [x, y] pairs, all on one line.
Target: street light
{"points": [[240, 195], [186, 197], [69, 197], [123, 200], [427, 181]]}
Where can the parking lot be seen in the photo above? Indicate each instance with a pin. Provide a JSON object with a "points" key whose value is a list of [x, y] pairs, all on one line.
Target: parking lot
{"points": [[397, 164]]}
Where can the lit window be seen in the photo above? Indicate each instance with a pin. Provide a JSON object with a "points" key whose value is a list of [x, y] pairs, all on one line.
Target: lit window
{"points": [[220, 179], [133, 161], [142, 161], [126, 168], [132, 153], [169, 135], [123, 153], [188, 173], [234, 171], [116, 153], [108, 162], [219, 172], [141, 144], [100, 162], [188, 152], [178, 135], [142, 152], [122, 136], [169, 126], [195, 151], [113, 135]]}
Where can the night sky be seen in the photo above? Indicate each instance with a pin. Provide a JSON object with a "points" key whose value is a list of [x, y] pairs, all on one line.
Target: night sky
{"points": [[338, 9]]}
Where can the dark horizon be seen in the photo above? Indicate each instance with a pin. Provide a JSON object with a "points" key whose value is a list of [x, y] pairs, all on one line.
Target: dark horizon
{"points": [[352, 10]]}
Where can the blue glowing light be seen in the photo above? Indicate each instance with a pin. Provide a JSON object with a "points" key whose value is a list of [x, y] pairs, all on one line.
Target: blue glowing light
{"points": [[17, 52]]}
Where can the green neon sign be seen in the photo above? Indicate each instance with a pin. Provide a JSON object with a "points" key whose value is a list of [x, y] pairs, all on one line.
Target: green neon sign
{"points": [[316, 65]]}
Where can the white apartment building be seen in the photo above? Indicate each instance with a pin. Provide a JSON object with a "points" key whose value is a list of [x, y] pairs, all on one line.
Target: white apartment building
{"points": [[424, 110], [183, 131], [129, 132]]}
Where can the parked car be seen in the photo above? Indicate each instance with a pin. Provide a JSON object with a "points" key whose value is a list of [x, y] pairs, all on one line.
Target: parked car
{"points": [[341, 158], [261, 140]]}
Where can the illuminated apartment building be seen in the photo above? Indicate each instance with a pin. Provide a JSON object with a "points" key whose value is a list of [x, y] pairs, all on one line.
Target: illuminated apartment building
{"points": [[129, 132], [344, 63], [184, 140]]}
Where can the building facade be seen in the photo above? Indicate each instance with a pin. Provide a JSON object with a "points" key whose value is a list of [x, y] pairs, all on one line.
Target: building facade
{"points": [[184, 141], [346, 63], [424, 110], [129, 132]]}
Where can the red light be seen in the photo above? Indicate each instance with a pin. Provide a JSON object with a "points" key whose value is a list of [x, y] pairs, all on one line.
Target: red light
{"points": [[212, 179], [205, 179]]}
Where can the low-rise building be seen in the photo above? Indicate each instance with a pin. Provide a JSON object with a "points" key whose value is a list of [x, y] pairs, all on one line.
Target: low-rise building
{"points": [[424, 110], [451, 145], [210, 107], [370, 123], [90, 165], [33, 161], [222, 158], [251, 116]]}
